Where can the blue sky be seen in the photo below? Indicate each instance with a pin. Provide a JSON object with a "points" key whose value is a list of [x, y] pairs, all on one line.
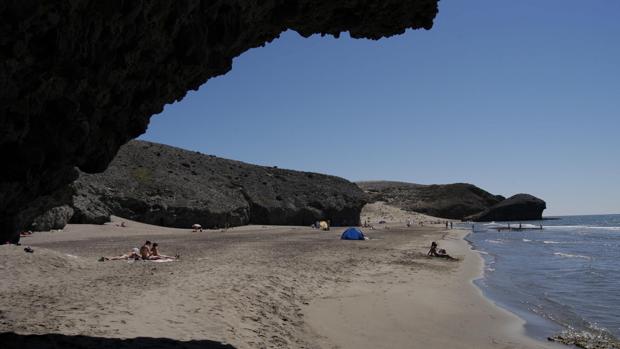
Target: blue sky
{"points": [[513, 96]]}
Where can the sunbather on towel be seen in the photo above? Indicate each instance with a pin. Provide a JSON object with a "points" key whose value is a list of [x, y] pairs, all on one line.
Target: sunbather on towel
{"points": [[156, 255], [133, 254], [145, 250]]}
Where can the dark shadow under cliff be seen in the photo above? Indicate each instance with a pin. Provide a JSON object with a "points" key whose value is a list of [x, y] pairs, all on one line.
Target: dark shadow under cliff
{"points": [[11, 340]]}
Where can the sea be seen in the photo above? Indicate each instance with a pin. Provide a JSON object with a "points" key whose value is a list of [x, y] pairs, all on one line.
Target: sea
{"points": [[563, 279]]}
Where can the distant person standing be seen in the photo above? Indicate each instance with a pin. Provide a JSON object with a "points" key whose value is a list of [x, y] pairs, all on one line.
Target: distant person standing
{"points": [[446, 224], [450, 225]]}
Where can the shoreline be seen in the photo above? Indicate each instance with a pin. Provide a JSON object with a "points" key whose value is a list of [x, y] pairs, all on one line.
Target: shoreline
{"points": [[397, 311], [528, 323], [534, 326]]}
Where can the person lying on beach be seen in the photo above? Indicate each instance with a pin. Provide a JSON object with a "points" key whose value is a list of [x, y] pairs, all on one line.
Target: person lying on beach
{"points": [[133, 254], [155, 253]]}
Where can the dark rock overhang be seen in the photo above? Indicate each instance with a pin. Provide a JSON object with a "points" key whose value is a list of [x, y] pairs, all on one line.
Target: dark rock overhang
{"points": [[81, 78]]}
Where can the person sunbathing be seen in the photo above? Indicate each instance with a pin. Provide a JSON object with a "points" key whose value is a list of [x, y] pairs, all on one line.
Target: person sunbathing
{"points": [[156, 255], [145, 250], [443, 254], [148, 251], [133, 254]]}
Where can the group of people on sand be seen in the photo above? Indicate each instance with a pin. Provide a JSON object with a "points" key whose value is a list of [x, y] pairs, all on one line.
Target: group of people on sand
{"points": [[367, 224], [148, 252], [435, 252]]}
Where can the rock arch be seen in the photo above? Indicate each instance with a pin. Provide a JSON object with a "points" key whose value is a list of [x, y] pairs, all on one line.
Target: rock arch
{"points": [[81, 78]]}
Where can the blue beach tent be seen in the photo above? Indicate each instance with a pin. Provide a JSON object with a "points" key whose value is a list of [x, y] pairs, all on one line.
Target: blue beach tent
{"points": [[352, 234]]}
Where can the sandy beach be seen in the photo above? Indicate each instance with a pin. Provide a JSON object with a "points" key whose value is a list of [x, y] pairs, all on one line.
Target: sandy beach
{"points": [[250, 287], [419, 304]]}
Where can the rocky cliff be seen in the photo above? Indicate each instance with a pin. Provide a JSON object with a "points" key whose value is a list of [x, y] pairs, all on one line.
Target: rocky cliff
{"points": [[80, 78], [520, 207], [454, 201], [168, 186]]}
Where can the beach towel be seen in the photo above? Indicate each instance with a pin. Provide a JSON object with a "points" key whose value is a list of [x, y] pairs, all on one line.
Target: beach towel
{"points": [[163, 260]]}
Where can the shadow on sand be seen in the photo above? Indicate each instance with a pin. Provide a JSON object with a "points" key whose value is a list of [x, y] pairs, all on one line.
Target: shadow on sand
{"points": [[12, 340]]}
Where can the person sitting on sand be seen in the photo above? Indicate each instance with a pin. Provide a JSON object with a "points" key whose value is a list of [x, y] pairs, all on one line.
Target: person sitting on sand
{"points": [[155, 253], [433, 252], [133, 254], [145, 250]]}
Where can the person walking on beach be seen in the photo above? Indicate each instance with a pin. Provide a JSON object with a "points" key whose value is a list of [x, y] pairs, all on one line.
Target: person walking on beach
{"points": [[450, 225]]}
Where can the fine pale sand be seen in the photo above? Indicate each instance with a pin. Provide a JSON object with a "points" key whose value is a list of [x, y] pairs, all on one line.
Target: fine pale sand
{"points": [[428, 306], [248, 287]]}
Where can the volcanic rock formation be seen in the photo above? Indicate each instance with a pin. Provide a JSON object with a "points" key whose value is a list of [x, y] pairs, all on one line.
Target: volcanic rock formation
{"points": [[520, 207], [163, 185], [454, 201], [80, 78]]}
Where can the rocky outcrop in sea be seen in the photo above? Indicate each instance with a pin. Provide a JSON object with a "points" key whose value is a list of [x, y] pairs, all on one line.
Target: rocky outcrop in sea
{"points": [[455, 201], [520, 207]]}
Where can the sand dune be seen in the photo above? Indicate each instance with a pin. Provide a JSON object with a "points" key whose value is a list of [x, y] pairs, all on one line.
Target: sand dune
{"points": [[380, 211]]}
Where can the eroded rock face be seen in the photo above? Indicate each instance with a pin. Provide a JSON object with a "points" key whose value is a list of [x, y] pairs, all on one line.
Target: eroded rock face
{"points": [[56, 210], [520, 207], [454, 201], [80, 78], [168, 186]]}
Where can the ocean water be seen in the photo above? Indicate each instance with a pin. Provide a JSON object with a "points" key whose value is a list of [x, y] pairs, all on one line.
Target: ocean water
{"points": [[564, 278]]}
